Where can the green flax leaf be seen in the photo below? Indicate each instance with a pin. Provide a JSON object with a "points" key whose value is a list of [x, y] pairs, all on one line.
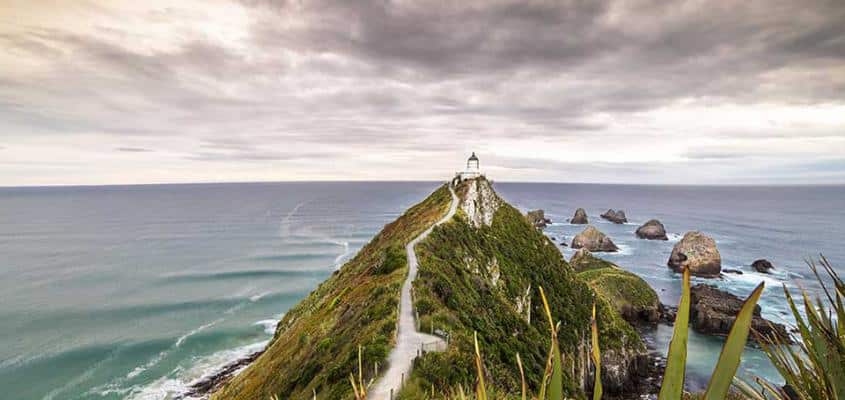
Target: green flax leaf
{"points": [[480, 389], [723, 374], [522, 377], [673, 378], [556, 382], [597, 389]]}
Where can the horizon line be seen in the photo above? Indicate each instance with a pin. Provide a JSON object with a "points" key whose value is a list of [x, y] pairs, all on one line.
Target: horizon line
{"points": [[59, 185]]}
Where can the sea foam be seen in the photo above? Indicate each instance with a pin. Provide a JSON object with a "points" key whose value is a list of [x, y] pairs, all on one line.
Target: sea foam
{"points": [[179, 381]]}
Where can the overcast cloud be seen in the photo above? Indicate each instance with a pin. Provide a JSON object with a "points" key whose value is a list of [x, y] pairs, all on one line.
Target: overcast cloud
{"points": [[97, 92]]}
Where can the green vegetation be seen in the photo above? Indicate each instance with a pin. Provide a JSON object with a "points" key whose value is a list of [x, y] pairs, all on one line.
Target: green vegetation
{"points": [[723, 375], [596, 355], [393, 258], [551, 383], [584, 261], [721, 380], [315, 348], [815, 367], [484, 279], [629, 294], [622, 288], [676, 366]]}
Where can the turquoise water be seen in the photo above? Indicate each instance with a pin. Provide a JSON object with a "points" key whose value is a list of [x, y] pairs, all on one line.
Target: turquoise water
{"points": [[136, 291], [133, 292]]}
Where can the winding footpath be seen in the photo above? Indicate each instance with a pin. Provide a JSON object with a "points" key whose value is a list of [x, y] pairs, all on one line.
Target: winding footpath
{"points": [[408, 339]]}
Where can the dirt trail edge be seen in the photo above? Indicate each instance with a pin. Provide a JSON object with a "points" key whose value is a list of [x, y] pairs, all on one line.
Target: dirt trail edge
{"points": [[408, 339]]}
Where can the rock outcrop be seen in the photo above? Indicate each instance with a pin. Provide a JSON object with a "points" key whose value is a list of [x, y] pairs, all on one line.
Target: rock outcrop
{"points": [[623, 370], [215, 381], [479, 202], [615, 216], [593, 240], [652, 230], [697, 252], [762, 265], [713, 312], [580, 217], [538, 218]]}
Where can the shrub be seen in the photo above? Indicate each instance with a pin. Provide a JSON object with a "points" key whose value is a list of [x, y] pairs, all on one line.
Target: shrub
{"points": [[393, 258]]}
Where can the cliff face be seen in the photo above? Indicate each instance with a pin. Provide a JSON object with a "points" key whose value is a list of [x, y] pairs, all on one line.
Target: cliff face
{"points": [[316, 344], [481, 272], [479, 202]]}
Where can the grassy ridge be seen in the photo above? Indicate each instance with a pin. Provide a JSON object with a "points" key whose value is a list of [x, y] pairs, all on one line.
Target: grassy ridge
{"points": [[315, 346], [629, 294], [622, 288], [475, 279]]}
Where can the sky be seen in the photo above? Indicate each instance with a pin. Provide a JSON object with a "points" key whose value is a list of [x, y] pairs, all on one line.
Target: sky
{"points": [[605, 91]]}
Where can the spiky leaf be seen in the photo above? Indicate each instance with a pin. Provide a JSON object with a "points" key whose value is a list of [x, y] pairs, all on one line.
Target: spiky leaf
{"points": [[723, 374], [673, 378], [597, 389]]}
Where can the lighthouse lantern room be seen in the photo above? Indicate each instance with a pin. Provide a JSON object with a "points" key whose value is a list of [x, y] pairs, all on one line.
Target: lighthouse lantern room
{"points": [[472, 169]]}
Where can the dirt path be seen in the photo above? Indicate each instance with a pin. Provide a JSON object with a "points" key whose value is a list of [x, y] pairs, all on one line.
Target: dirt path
{"points": [[408, 339]]}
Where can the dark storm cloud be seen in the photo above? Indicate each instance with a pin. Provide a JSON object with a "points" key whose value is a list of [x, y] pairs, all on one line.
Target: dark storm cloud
{"points": [[406, 79], [643, 52], [574, 58], [448, 37]]}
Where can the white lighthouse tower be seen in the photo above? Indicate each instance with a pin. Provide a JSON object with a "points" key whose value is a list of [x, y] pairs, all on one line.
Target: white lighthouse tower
{"points": [[472, 170]]}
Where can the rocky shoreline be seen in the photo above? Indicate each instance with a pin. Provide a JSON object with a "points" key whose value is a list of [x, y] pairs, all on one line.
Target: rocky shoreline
{"points": [[208, 385], [713, 312], [647, 374]]}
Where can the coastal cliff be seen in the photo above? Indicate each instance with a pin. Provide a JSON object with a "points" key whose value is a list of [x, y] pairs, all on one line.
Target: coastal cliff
{"points": [[479, 272]]}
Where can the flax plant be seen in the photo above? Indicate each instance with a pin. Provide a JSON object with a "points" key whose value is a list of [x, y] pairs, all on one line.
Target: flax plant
{"points": [[813, 368], [551, 385]]}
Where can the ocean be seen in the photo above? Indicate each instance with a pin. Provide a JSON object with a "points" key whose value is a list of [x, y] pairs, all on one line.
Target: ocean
{"points": [[134, 292]]}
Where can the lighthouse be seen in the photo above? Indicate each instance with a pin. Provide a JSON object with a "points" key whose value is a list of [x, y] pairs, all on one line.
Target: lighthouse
{"points": [[472, 169]]}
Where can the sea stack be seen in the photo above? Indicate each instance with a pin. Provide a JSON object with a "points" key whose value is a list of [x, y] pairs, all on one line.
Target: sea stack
{"points": [[697, 252], [762, 266], [580, 217], [538, 218], [593, 240], [652, 230], [615, 216]]}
